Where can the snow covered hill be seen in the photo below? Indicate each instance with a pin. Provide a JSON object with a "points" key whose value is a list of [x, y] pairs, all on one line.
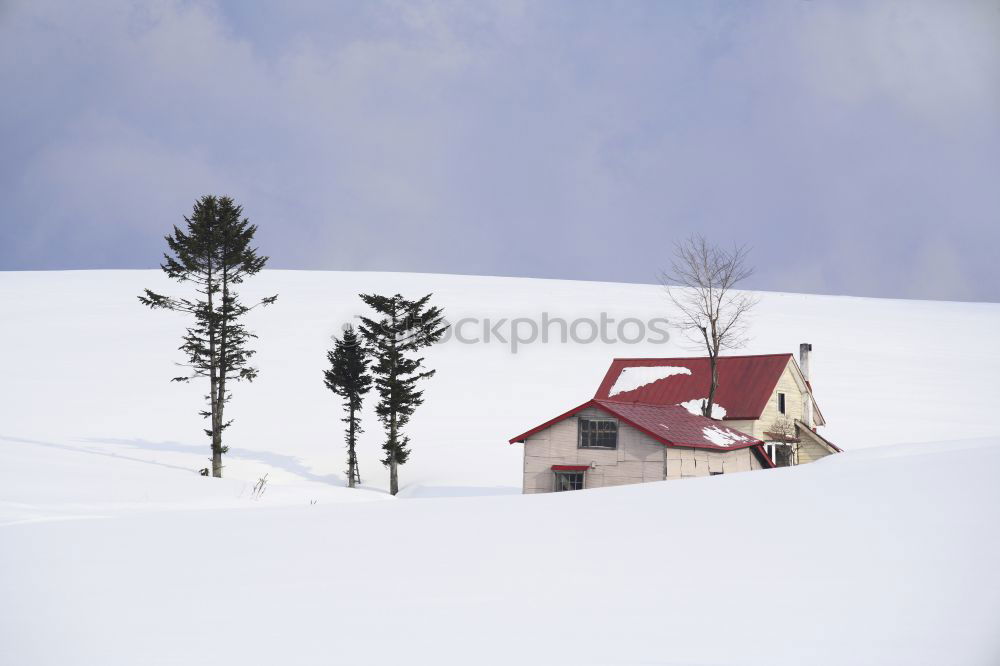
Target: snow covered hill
{"points": [[857, 559], [86, 367], [114, 551]]}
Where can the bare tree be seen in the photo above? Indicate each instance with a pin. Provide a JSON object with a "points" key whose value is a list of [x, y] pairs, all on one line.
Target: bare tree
{"points": [[785, 437], [702, 283]]}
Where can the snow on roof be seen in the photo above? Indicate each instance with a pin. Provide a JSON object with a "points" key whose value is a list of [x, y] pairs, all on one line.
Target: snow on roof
{"points": [[723, 437], [745, 382], [675, 426], [671, 425], [632, 378], [694, 406]]}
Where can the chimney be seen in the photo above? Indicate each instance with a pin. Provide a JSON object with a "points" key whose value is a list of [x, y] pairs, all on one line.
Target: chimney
{"points": [[805, 349]]}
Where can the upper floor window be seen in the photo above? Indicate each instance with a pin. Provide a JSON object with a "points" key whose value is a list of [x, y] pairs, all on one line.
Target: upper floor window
{"points": [[598, 434], [781, 403]]}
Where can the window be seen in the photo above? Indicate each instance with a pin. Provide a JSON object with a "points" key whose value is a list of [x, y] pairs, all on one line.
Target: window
{"points": [[598, 434], [569, 481], [715, 473], [781, 403]]}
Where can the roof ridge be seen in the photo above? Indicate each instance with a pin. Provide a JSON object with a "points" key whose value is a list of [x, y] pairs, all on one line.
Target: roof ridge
{"points": [[636, 402], [692, 358]]}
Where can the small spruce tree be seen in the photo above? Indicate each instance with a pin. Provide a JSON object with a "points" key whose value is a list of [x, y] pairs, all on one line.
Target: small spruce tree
{"points": [[348, 377], [214, 255], [404, 327]]}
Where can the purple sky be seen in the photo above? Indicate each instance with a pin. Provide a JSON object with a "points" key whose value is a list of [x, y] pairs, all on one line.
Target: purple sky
{"points": [[855, 146]]}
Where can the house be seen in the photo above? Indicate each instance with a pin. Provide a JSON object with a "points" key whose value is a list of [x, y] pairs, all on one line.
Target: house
{"points": [[768, 397], [645, 424]]}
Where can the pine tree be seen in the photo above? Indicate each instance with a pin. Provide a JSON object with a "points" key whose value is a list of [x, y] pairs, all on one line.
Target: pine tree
{"points": [[404, 328], [348, 377], [214, 255]]}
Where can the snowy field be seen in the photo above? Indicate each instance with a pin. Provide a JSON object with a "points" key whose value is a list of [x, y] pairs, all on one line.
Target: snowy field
{"points": [[114, 551]]}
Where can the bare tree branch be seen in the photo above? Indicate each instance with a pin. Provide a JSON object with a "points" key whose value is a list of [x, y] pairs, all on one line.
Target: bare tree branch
{"points": [[782, 432], [701, 283]]}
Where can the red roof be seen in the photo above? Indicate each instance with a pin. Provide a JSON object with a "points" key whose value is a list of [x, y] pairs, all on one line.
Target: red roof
{"points": [[745, 382], [670, 425], [570, 468]]}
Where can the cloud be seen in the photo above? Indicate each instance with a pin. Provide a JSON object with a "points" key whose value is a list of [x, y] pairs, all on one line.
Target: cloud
{"points": [[854, 146], [938, 60]]}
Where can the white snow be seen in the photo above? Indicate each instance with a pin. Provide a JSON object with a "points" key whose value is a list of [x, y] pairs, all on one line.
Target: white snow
{"points": [[721, 437], [113, 551], [632, 378], [885, 560], [694, 406]]}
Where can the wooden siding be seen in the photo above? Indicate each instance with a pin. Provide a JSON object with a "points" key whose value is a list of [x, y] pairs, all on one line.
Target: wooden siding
{"points": [[809, 451], [639, 458], [795, 397], [793, 402], [746, 427], [810, 447]]}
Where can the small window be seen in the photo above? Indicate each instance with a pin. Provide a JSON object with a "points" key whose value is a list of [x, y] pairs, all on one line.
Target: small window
{"points": [[569, 481], [598, 434], [781, 403], [715, 473]]}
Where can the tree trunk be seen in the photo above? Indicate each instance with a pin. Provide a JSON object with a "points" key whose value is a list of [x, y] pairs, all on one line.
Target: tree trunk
{"points": [[216, 459], [216, 407], [220, 361], [393, 467], [351, 461], [714, 363]]}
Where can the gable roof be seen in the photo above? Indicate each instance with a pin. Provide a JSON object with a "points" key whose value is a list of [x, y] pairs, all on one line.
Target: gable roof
{"points": [[745, 382], [803, 429], [670, 425]]}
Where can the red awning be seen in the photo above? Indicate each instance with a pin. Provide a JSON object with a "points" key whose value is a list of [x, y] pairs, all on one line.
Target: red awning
{"points": [[570, 468]]}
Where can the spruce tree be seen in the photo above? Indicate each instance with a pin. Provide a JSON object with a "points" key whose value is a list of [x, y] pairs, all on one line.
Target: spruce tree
{"points": [[404, 328], [213, 255], [348, 377]]}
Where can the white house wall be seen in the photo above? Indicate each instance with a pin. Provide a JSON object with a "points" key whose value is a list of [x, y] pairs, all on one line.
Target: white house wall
{"points": [[808, 451], [638, 458], [793, 403], [810, 448], [746, 427]]}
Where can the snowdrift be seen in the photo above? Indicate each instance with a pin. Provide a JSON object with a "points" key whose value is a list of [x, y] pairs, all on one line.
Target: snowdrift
{"points": [[876, 560]]}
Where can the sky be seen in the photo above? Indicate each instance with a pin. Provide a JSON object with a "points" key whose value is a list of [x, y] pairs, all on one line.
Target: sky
{"points": [[853, 146]]}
